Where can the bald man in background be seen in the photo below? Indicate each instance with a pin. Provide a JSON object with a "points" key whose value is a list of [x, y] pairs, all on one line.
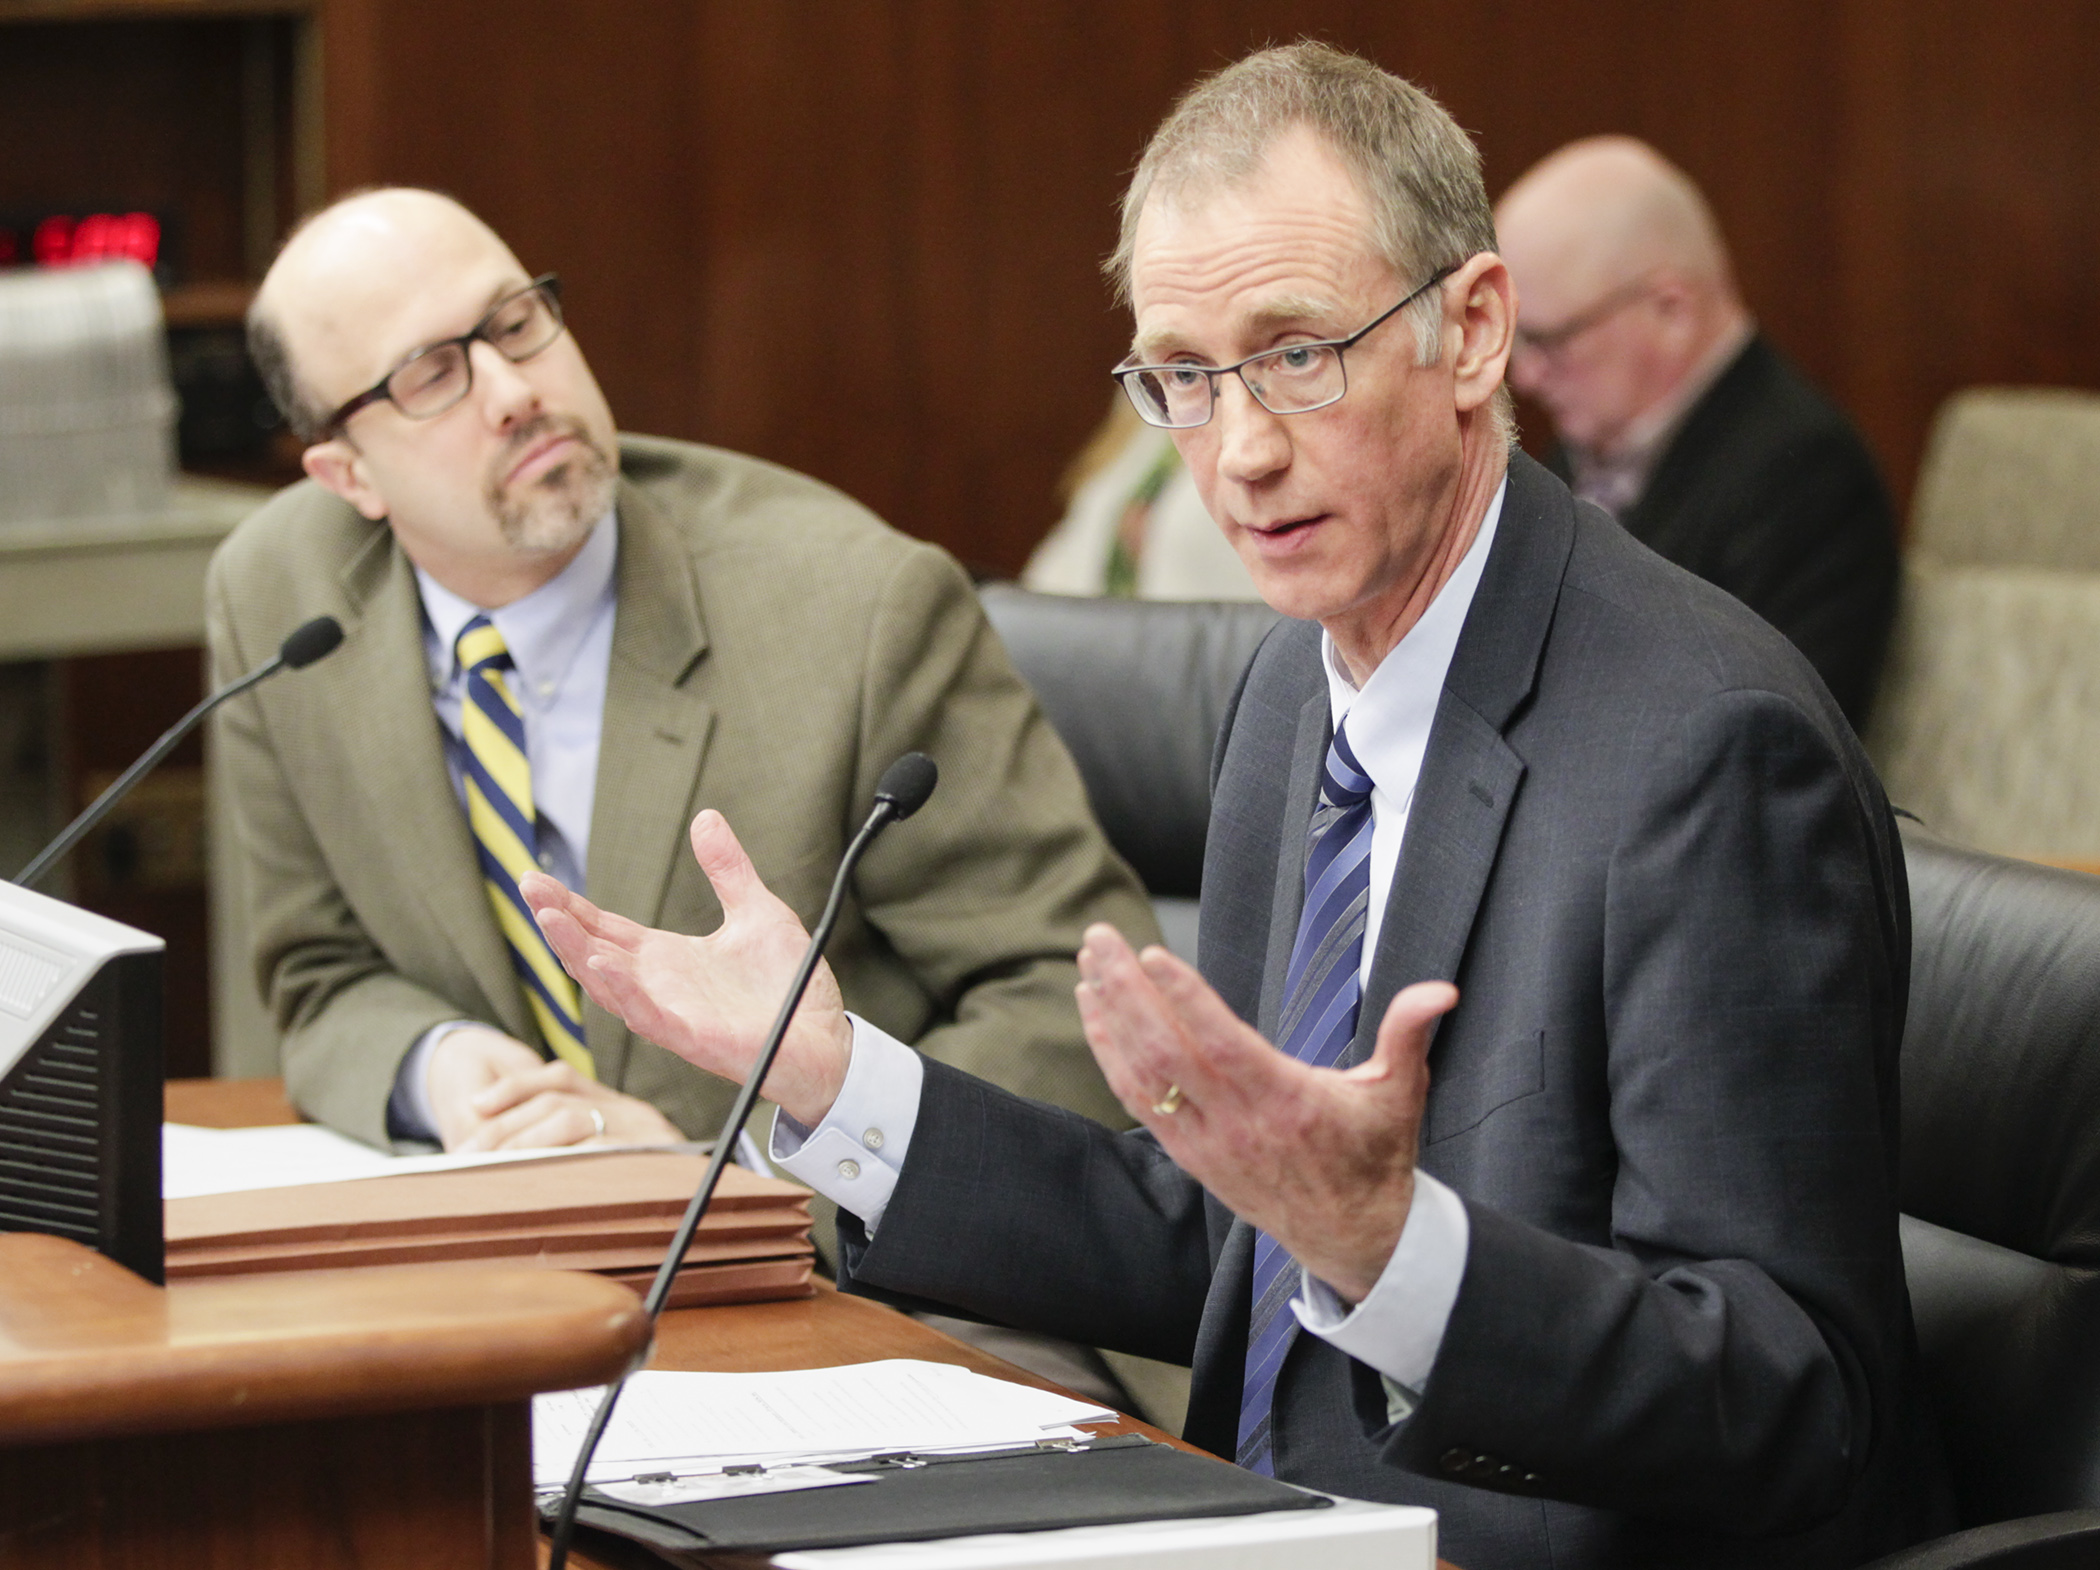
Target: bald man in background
{"points": [[1677, 416]]}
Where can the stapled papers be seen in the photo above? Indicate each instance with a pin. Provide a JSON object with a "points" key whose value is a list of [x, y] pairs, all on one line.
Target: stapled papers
{"points": [[674, 1425]]}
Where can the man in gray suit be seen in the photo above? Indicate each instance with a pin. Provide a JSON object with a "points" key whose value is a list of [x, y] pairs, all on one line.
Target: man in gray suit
{"points": [[682, 627], [1567, 1206]]}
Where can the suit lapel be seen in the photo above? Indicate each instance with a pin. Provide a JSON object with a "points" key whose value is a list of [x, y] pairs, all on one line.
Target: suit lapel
{"points": [[378, 677], [1219, 1367], [1470, 774], [654, 735]]}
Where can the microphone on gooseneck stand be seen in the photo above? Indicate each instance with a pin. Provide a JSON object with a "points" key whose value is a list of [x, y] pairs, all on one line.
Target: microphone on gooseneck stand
{"points": [[902, 791], [307, 643]]}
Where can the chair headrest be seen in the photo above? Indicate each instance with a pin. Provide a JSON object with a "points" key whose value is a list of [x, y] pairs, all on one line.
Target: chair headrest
{"points": [[1137, 689]]}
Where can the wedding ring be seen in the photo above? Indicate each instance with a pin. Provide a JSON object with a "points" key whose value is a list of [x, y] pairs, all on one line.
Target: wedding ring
{"points": [[597, 1122], [1170, 1103]]}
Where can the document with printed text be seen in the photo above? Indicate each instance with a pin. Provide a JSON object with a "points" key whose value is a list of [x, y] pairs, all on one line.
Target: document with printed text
{"points": [[686, 1424]]}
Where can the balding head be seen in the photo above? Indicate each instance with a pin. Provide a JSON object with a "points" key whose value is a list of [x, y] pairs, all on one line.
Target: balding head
{"points": [[1623, 282], [330, 273], [1603, 212], [493, 492]]}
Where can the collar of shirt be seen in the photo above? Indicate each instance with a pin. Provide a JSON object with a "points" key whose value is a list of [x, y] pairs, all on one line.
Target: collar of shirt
{"points": [[1617, 479], [1390, 716], [543, 631]]}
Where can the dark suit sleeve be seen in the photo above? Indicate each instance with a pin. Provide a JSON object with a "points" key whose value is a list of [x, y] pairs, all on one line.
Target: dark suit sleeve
{"points": [[1022, 1213], [1719, 1361], [1814, 553]]}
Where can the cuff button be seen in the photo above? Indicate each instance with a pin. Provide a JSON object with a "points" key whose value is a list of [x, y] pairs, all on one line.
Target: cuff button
{"points": [[849, 1170], [872, 1139]]}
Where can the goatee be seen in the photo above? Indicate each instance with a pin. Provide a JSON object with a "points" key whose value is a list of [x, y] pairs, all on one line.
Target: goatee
{"points": [[555, 510]]}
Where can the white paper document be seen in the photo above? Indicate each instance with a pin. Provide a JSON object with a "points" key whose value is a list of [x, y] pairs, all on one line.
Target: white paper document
{"points": [[197, 1161], [684, 1424]]}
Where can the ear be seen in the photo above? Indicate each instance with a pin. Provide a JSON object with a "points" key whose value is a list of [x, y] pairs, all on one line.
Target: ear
{"points": [[1487, 326], [341, 468], [1672, 293]]}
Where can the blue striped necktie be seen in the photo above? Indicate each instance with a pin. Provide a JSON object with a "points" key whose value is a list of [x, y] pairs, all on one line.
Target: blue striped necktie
{"points": [[507, 836], [1322, 992]]}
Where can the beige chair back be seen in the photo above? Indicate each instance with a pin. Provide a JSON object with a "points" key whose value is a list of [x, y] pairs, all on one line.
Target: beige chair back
{"points": [[2011, 478], [1987, 725]]}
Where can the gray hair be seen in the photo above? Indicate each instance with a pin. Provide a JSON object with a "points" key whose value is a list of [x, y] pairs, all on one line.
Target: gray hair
{"points": [[267, 349], [1417, 169], [273, 362]]}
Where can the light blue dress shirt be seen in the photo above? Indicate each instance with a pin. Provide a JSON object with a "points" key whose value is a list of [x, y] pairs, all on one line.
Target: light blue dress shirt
{"points": [[560, 642]]}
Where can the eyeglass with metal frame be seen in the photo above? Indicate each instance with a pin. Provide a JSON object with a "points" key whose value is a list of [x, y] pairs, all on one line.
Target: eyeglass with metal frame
{"points": [[435, 378], [1551, 340], [1296, 379]]}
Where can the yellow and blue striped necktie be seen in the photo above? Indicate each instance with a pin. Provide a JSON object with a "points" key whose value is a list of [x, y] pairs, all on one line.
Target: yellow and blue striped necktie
{"points": [[506, 836]]}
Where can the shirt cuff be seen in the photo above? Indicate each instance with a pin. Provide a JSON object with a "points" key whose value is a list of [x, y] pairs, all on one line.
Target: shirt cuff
{"points": [[1399, 1328], [853, 1157], [408, 1110]]}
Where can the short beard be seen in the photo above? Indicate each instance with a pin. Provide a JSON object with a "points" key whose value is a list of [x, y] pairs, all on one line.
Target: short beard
{"points": [[558, 509]]}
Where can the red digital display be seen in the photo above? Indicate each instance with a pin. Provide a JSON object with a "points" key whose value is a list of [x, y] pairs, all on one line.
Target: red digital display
{"points": [[49, 239], [62, 240]]}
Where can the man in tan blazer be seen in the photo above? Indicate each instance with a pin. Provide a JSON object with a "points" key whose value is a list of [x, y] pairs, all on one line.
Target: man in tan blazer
{"points": [[767, 648]]}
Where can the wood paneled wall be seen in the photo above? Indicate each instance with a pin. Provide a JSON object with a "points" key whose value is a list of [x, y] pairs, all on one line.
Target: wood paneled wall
{"points": [[861, 237]]}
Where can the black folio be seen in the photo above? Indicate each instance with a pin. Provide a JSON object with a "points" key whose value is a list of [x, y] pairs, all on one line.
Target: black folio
{"points": [[1125, 1478]]}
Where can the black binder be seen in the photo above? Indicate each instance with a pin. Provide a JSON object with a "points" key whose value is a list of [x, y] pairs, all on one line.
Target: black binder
{"points": [[1123, 1478]]}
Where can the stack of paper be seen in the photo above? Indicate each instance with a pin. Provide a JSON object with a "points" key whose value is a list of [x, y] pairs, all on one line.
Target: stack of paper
{"points": [[612, 1212], [196, 1161], [688, 1424]]}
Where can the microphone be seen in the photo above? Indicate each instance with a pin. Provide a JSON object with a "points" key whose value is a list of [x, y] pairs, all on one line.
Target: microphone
{"points": [[900, 792], [306, 644]]}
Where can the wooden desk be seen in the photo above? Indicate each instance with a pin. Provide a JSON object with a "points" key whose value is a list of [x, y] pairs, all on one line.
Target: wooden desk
{"points": [[820, 1332], [333, 1419]]}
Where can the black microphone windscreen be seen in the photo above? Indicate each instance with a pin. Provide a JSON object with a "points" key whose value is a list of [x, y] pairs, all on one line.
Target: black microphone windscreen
{"points": [[907, 783], [308, 643]]}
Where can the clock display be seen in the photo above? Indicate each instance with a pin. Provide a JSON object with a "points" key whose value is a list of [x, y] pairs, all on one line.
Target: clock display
{"points": [[69, 239]]}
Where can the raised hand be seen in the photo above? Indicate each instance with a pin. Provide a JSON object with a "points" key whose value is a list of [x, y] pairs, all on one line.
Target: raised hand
{"points": [[1323, 1160], [709, 999]]}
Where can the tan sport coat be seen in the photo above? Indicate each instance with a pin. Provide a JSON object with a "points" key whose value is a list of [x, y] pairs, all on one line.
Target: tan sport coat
{"points": [[775, 648]]}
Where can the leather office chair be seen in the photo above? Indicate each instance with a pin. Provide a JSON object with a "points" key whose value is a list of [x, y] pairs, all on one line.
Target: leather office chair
{"points": [[2001, 1194], [1137, 689]]}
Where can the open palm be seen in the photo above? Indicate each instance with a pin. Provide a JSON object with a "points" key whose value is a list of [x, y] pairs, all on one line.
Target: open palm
{"points": [[709, 999]]}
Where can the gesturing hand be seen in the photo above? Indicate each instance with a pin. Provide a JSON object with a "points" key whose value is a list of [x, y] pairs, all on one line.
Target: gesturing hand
{"points": [[1323, 1160], [709, 999]]}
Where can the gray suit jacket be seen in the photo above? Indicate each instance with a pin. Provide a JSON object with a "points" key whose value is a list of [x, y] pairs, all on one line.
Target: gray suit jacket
{"points": [[1650, 853], [775, 648]]}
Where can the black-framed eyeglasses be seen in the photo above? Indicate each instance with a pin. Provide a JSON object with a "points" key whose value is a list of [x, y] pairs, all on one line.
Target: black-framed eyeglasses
{"points": [[1551, 340], [433, 379], [1295, 379]]}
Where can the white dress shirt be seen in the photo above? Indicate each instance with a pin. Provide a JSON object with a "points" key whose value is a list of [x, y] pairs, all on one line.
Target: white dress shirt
{"points": [[560, 642], [855, 1155]]}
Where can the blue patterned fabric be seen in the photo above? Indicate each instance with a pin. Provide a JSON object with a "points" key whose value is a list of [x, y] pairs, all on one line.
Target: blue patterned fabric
{"points": [[1323, 989]]}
